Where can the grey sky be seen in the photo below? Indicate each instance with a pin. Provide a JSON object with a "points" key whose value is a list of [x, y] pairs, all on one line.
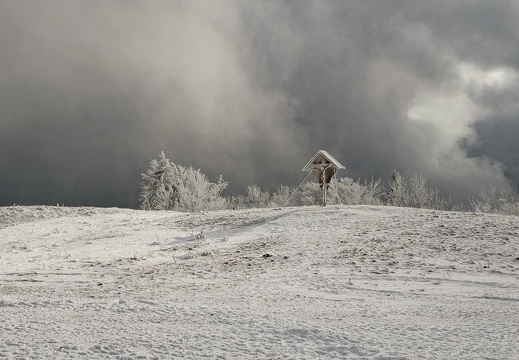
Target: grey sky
{"points": [[91, 91]]}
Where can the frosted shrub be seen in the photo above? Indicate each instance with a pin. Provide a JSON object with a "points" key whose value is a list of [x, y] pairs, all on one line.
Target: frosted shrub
{"points": [[309, 194], [236, 202], [196, 193], [373, 192], [282, 196], [255, 198], [502, 199], [421, 196], [510, 208], [347, 191], [344, 191]]}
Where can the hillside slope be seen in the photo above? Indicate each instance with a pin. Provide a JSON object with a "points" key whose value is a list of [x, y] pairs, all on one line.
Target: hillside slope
{"points": [[311, 282]]}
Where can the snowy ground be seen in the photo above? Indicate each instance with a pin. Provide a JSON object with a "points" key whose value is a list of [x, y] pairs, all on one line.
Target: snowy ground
{"points": [[296, 283]]}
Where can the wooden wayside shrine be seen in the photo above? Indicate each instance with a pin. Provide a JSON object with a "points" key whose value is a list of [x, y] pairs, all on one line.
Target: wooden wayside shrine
{"points": [[324, 166]]}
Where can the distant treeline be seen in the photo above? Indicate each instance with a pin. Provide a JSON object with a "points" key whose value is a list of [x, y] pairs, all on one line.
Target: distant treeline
{"points": [[167, 186]]}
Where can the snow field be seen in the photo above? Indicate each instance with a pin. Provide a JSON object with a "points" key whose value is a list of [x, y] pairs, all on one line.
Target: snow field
{"points": [[356, 282]]}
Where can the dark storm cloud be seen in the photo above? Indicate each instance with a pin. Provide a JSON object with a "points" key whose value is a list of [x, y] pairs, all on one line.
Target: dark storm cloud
{"points": [[91, 91], [393, 85]]}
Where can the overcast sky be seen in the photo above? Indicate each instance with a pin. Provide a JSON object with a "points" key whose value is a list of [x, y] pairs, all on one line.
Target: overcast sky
{"points": [[91, 91]]}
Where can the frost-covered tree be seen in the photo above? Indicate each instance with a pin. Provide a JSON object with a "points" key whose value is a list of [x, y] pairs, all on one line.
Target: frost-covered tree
{"points": [[158, 190], [167, 186], [396, 194]]}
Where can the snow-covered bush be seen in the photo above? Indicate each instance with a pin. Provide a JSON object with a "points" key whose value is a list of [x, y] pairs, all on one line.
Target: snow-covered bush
{"points": [[373, 192], [347, 191], [502, 199], [282, 196], [255, 198], [196, 193], [309, 194], [167, 186], [236, 202]]}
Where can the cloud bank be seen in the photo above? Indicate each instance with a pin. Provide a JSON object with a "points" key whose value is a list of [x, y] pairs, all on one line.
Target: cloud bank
{"points": [[91, 91]]}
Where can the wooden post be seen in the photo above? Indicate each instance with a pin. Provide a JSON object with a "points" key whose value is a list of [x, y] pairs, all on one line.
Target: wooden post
{"points": [[324, 186], [324, 195]]}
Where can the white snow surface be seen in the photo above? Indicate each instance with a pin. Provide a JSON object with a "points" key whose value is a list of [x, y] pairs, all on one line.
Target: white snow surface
{"points": [[348, 282]]}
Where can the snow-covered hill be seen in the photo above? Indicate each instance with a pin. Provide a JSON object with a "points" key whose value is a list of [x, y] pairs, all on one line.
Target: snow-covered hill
{"points": [[310, 282]]}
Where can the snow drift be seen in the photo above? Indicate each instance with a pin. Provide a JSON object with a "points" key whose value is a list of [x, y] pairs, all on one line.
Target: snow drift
{"points": [[337, 282]]}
